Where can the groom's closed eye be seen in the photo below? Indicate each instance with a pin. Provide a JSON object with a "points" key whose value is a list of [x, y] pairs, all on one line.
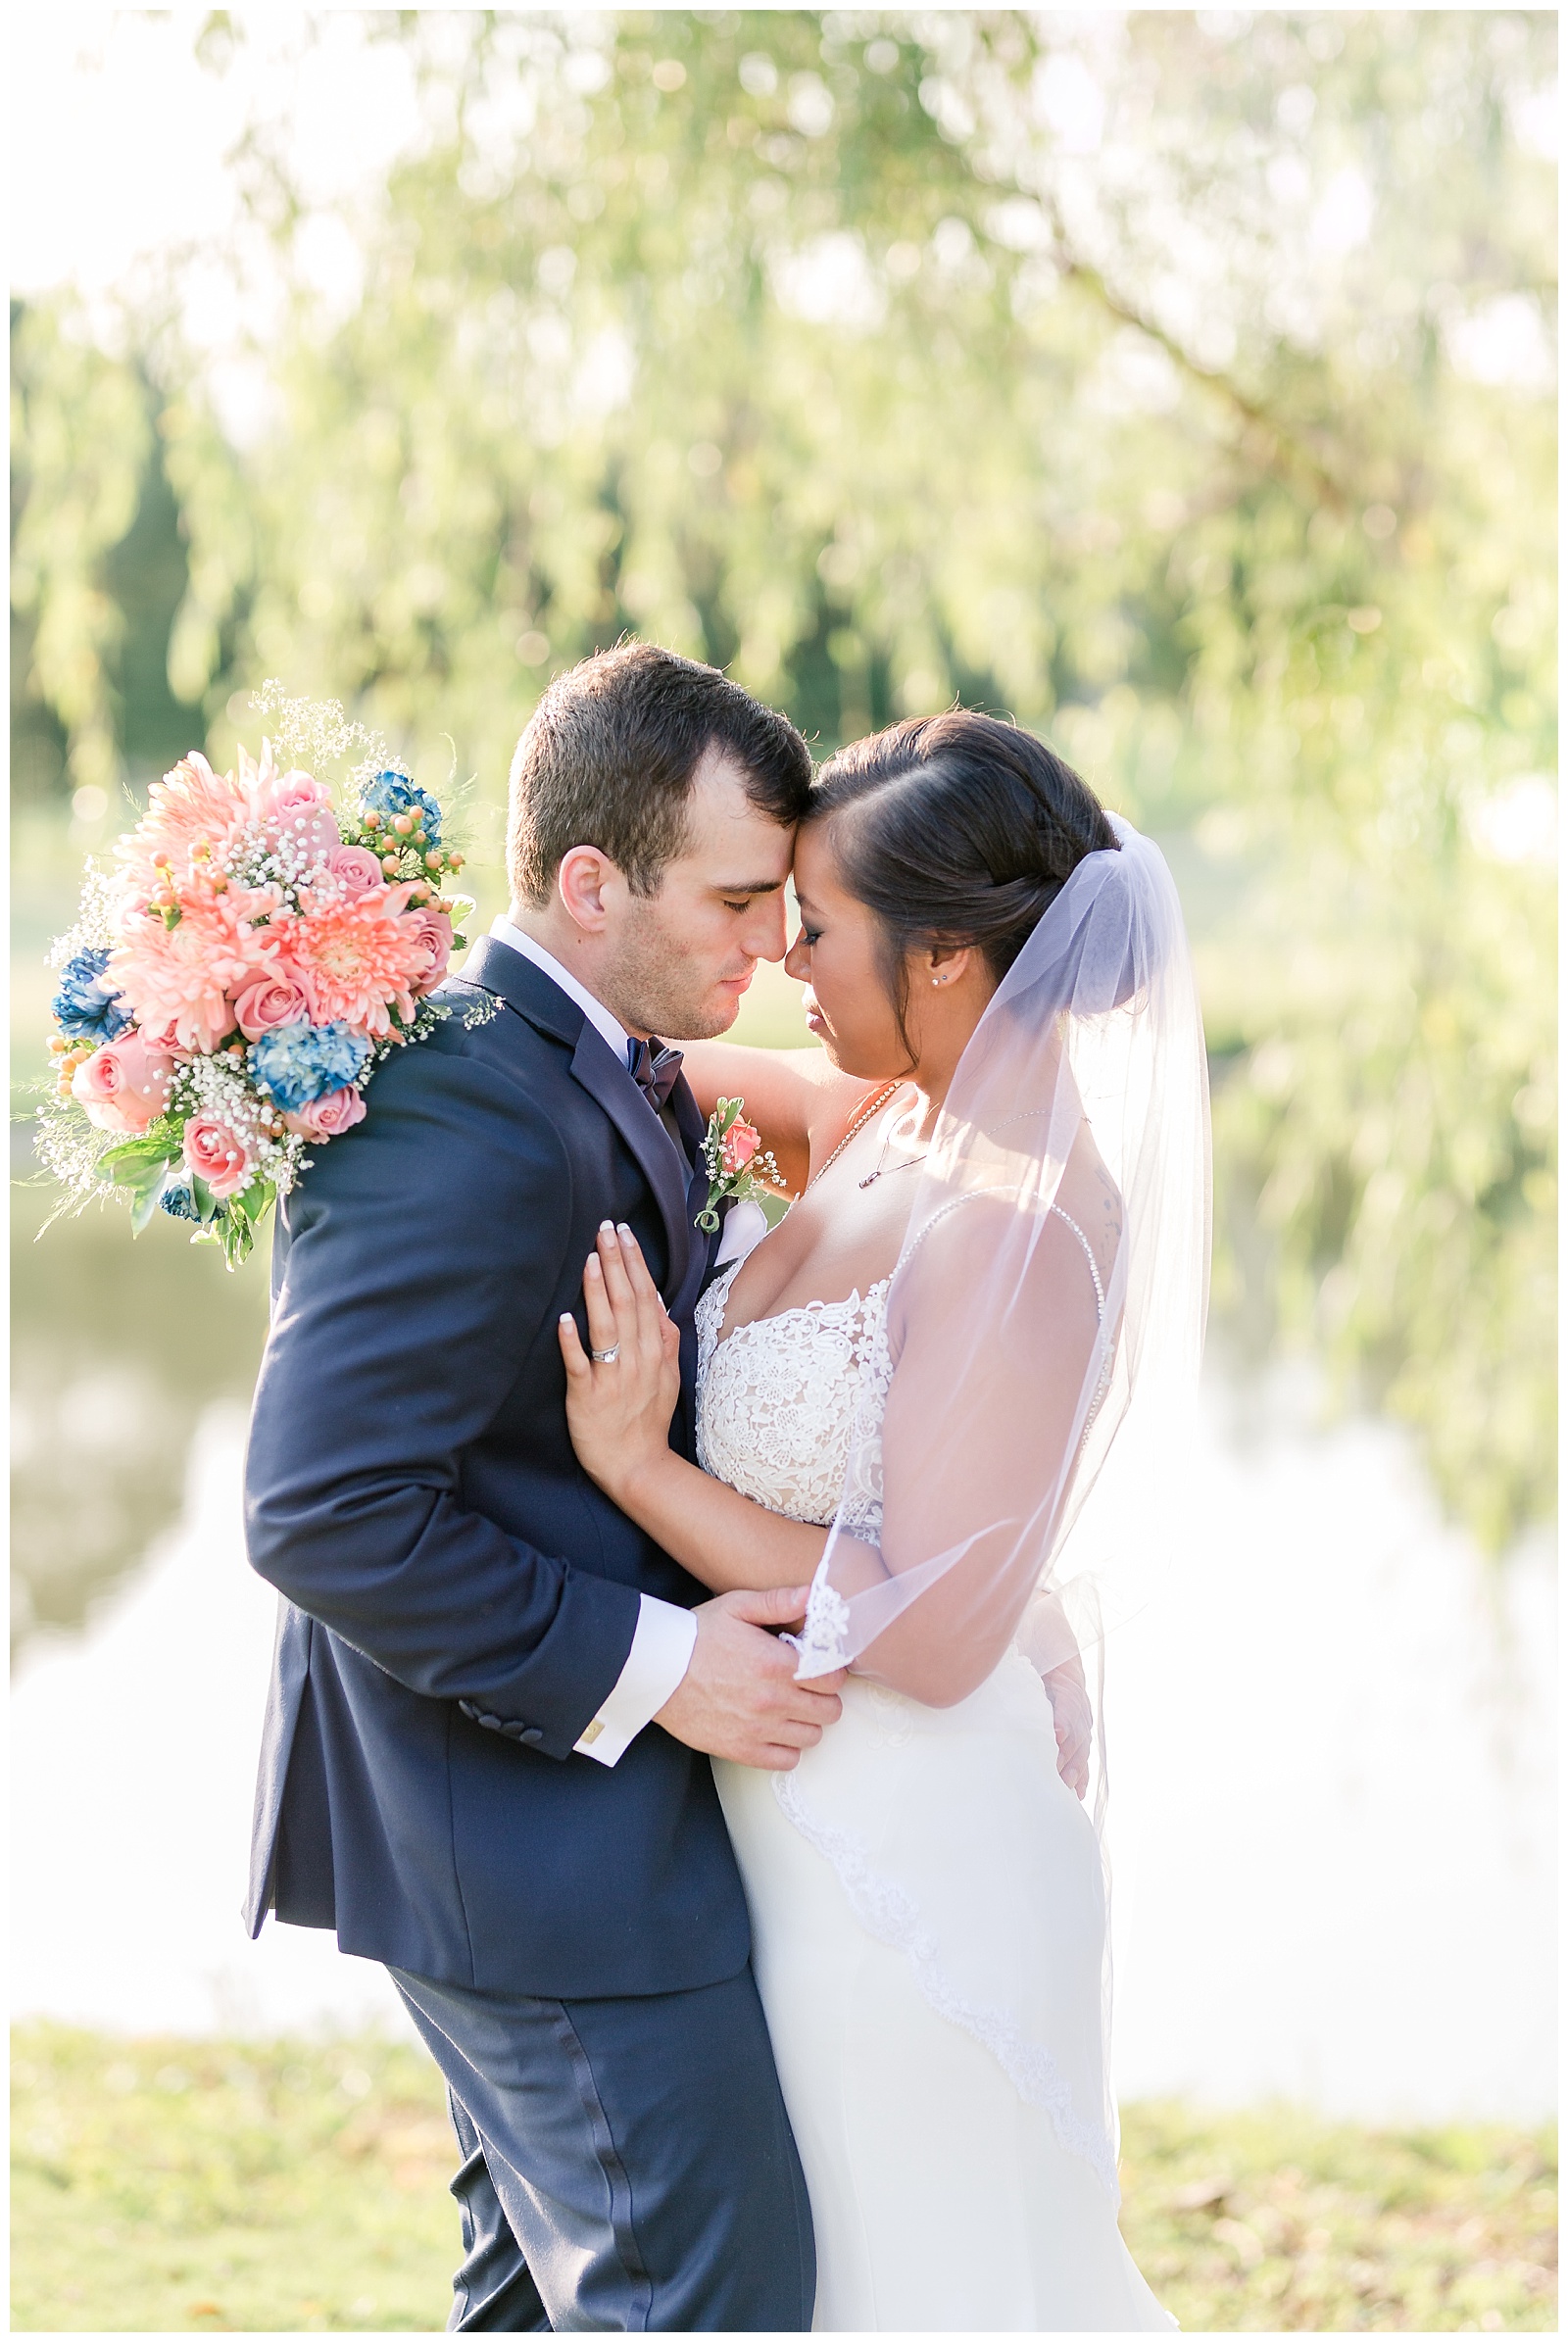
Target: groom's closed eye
{"points": [[742, 898]]}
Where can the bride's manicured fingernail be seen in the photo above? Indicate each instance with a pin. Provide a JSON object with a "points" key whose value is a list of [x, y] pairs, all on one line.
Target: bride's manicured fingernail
{"points": [[593, 1269], [607, 1226], [624, 1233]]}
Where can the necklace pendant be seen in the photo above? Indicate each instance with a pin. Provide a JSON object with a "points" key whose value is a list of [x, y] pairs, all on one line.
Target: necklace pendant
{"points": [[871, 1177]]}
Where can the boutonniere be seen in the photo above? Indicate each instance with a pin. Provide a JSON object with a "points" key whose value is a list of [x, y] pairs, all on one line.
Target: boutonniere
{"points": [[738, 1170]]}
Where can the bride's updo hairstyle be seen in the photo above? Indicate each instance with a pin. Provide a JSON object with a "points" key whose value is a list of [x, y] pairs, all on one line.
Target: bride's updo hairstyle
{"points": [[956, 829]]}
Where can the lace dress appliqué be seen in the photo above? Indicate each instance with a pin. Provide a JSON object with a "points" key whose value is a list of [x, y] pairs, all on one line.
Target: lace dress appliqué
{"points": [[885, 1912]]}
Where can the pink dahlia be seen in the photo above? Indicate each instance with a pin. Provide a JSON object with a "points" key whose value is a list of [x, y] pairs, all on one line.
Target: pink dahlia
{"points": [[357, 955], [177, 980]]}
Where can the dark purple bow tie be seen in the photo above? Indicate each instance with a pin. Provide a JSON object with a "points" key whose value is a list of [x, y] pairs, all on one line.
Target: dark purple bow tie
{"points": [[655, 1076]]}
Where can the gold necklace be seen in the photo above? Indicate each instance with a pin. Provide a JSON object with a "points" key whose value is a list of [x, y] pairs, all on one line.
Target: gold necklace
{"points": [[873, 1105]]}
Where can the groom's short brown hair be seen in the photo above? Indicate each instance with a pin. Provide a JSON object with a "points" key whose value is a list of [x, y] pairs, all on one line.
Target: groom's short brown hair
{"points": [[611, 752]]}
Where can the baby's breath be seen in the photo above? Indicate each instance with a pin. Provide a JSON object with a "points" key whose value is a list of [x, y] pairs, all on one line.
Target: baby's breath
{"points": [[69, 1147], [316, 732], [262, 855], [94, 929]]}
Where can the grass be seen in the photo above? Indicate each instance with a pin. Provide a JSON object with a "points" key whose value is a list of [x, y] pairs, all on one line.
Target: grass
{"points": [[1274, 2222], [208, 2186]]}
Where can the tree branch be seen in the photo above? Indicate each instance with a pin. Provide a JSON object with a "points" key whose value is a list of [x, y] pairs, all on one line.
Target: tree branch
{"points": [[1285, 448]]}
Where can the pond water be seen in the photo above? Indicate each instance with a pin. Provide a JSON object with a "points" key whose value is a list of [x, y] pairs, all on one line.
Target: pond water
{"points": [[1330, 1733]]}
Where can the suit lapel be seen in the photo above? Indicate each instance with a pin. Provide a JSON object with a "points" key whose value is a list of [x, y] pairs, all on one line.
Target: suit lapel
{"points": [[611, 1087], [692, 1130], [596, 1067]]}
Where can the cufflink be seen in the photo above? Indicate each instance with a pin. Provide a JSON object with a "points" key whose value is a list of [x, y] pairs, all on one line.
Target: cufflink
{"points": [[590, 1733]]}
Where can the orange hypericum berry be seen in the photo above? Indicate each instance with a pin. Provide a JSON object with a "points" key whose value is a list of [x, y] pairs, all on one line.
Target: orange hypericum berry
{"points": [[391, 862], [403, 823]]}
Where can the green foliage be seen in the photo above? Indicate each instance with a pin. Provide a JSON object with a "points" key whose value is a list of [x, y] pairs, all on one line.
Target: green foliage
{"points": [[81, 435], [186, 2186], [1176, 383], [199, 2186]]}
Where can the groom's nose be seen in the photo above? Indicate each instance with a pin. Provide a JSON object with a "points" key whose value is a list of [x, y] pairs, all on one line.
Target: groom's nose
{"points": [[763, 934]]}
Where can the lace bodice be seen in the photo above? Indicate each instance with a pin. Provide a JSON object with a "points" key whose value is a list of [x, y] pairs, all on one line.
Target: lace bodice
{"points": [[786, 1404], [788, 1411]]}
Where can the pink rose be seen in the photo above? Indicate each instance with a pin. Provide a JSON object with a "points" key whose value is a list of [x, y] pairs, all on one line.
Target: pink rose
{"points": [[299, 809], [356, 869], [267, 1001], [215, 1154], [123, 1086], [297, 792], [433, 931], [328, 1117], [740, 1142]]}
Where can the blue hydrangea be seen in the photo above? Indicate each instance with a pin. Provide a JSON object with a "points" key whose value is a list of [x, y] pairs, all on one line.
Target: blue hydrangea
{"points": [[86, 1008], [180, 1203], [296, 1063], [392, 792]]}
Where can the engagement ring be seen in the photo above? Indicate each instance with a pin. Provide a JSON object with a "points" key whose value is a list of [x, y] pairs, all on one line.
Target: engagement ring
{"points": [[605, 1357]]}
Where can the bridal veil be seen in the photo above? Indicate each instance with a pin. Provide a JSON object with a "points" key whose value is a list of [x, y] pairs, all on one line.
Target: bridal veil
{"points": [[1043, 1328]]}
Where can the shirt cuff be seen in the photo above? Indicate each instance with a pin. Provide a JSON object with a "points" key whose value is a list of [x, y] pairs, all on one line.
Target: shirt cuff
{"points": [[660, 1655]]}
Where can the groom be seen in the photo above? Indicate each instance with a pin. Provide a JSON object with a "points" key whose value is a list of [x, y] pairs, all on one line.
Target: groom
{"points": [[486, 1755]]}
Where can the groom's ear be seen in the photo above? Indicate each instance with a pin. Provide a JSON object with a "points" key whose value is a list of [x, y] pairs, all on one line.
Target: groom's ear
{"points": [[584, 880]]}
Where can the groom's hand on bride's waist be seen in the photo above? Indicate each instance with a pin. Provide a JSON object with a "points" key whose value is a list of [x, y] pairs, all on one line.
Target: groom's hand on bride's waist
{"points": [[738, 1698]]}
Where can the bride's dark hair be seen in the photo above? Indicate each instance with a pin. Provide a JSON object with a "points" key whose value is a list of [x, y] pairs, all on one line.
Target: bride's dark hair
{"points": [[956, 829]]}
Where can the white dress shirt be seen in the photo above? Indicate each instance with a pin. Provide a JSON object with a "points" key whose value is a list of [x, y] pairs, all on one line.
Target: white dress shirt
{"points": [[661, 1647]]}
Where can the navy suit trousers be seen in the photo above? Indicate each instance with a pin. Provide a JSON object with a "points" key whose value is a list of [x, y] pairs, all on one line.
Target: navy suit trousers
{"points": [[627, 2163]]}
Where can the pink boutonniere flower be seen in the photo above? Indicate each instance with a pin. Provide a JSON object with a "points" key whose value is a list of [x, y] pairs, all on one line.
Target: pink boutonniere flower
{"points": [[738, 1169]]}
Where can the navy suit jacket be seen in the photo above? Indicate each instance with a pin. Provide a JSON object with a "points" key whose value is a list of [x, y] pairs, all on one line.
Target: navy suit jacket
{"points": [[459, 1599]]}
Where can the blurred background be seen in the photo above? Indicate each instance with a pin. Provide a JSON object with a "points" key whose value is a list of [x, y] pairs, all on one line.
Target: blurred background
{"points": [[1180, 385]]}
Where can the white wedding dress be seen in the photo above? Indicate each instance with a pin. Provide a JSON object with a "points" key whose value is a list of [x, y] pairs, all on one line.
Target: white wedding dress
{"points": [[928, 1912]]}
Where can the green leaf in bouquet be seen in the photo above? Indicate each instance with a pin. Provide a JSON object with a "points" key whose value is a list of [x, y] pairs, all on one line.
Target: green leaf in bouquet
{"points": [[147, 1200], [130, 1165], [234, 1231], [254, 1202]]}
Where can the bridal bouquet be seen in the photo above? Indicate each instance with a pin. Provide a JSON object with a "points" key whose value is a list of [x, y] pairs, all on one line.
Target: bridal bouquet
{"points": [[240, 967]]}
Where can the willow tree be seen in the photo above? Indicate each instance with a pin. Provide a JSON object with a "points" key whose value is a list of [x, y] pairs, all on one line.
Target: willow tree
{"points": [[1176, 384]]}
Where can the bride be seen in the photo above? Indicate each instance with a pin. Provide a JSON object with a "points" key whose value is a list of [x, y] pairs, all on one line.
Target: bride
{"points": [[908, 1393]]}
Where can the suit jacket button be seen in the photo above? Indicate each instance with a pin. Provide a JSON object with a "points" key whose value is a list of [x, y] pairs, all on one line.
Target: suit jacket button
{"points": [[533, 1733]]}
